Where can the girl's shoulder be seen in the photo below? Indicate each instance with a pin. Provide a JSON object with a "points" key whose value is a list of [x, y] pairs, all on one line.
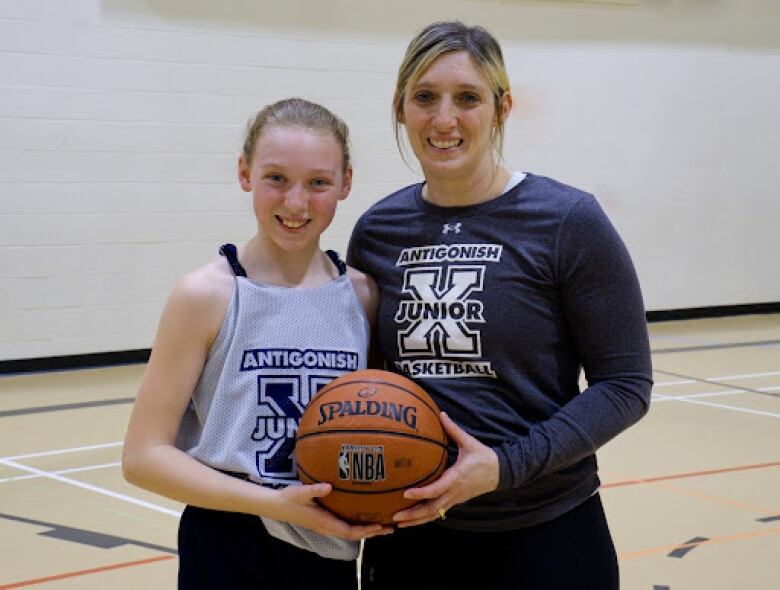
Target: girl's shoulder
{"points": [[206, 285], [202, 296]]}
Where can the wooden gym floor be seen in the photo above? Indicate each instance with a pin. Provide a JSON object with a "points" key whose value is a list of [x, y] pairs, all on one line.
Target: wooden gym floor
{"points": [[692, 492]]}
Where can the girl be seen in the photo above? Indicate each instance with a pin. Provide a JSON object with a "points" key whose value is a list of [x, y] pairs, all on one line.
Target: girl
{"points": [[497, 287], [243, 344]]}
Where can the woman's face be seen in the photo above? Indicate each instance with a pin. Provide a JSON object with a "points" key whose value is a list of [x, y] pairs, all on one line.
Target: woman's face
{"points": [[449, 115]]}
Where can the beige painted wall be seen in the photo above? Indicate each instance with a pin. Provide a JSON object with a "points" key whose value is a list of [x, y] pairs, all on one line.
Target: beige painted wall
{"points": [[120, 122]]}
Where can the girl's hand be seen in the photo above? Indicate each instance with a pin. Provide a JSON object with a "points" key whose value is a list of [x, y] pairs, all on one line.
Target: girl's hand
{"points": [[297, 506], [475, 472]]}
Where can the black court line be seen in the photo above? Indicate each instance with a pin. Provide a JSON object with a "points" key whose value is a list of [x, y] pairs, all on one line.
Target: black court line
{"points": [[62, 407], [717, 383], [655, 587], [716, 346], [84, 536], [769, 518], [686, 547]]}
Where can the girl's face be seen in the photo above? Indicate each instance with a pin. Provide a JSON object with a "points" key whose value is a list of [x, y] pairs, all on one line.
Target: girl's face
{"points": [[296, 179], [449, 115]]}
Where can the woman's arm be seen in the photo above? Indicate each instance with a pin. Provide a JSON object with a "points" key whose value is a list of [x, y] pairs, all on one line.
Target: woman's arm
{"points": [[602, 305]]}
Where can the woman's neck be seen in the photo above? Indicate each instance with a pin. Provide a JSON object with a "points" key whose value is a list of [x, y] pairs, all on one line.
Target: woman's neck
{"points": [[474, 188]]}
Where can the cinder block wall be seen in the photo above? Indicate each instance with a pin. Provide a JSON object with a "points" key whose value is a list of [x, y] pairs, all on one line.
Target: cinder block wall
{"points": [[121, 121]]}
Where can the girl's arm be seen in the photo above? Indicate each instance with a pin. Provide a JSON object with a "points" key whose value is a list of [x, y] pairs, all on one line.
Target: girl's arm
{"points": [[188, 326]]}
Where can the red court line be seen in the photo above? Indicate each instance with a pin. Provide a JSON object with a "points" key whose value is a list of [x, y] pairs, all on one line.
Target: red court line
{"points": [[725, 539], [632, 482], [96, 570]]}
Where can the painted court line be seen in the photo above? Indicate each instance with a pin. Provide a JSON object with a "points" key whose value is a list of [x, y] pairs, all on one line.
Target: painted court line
{"points": [[105, 568], [693, 399], [720, 392], [686, 475], [707, 347], [60, 472], [732, 408], [624, 556], [90, 487], [64, 407], [63, 451], [717, 379]]}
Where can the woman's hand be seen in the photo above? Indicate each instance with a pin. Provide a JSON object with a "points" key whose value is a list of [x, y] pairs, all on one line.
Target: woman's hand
{"points": [[298, 506], [475, 472]]}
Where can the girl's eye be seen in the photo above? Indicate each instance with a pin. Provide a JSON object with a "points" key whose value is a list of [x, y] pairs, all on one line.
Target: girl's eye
{"points": [[275, 178]]}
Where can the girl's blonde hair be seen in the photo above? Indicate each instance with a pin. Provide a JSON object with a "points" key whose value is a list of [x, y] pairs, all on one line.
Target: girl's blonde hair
{"points": [[297, 112]]}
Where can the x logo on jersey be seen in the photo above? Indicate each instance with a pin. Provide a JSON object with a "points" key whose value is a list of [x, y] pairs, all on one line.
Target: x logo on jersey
{"points": [[440, 311]]}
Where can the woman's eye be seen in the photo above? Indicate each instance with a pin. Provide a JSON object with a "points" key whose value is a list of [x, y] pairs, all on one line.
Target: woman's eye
{"points": [[423, 97], [470, 98], [275, 178], [320, 183]]}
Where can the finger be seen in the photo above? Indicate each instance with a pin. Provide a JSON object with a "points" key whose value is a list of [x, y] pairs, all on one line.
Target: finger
{"points": [[378, 533], [410, 523], [357, 532], [305, 493], [420, 519], [435, 489], [424, 511], [456, 433]]}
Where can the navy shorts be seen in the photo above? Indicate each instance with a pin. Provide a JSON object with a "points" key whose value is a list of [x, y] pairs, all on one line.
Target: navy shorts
{"points": [[573, 551], [231, 550]]}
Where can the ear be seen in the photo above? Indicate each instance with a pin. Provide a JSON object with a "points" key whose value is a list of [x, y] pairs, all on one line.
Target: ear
{"points": [[398, 105], [505, 106], [244, 178], [346, 183]]}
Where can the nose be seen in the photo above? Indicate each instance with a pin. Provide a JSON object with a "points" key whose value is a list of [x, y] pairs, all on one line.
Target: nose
{"points": [[445, 117], [296, 200]]}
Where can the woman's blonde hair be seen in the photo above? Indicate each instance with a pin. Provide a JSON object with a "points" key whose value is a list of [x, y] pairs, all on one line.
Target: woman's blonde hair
{"points": [[444, 37]]}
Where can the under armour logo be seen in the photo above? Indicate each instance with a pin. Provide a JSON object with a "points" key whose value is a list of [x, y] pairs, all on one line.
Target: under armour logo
{"points": [[448, 228]]}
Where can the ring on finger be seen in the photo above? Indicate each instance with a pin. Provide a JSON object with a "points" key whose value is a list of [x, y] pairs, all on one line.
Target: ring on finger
{"points": [[443, 513]]}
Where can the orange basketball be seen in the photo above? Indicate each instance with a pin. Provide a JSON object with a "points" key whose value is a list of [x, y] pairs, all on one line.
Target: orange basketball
{"points": [[371, 434]]}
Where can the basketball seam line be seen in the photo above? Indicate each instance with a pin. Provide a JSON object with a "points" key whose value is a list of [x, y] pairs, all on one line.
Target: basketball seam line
{"points": [[372, 431]]}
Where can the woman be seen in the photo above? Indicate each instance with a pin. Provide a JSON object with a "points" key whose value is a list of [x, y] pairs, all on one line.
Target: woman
{"points": [[497, 287], [214, 422]]}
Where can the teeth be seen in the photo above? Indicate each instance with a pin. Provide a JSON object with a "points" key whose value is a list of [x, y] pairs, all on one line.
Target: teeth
{"points": [[293, 224], [445, 144]]}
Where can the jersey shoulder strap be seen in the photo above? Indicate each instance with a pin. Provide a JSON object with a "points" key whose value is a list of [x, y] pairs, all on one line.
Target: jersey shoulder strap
{"points": [[229, 251], [340, 264]]}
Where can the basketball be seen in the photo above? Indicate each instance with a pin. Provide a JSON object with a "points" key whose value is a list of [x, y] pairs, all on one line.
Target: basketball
{"points": [[370, 434]]}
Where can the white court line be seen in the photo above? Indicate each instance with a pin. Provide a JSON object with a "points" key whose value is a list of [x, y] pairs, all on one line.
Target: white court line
{"points": [[90, 487], [716, 379], [732, 408], [673, 383], [60, 472], [666, 398], [693, 399], [745, 376], [63, 451], [714, 393]]}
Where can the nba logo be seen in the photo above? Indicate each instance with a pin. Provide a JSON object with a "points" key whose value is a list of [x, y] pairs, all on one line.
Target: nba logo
{"points": [[362, 463], [343, 464]]}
